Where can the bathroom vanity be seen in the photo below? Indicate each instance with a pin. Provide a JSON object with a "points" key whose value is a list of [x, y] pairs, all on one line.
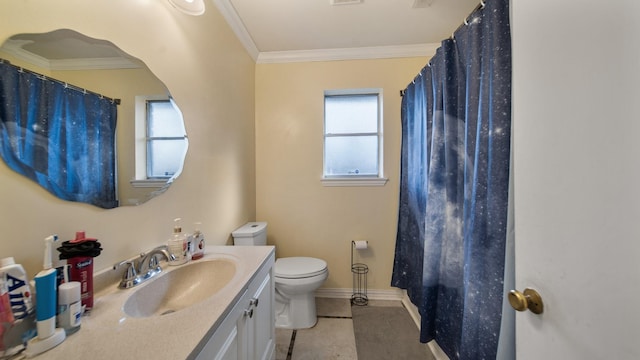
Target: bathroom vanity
{"points": [[247, 331], [236, 322]]}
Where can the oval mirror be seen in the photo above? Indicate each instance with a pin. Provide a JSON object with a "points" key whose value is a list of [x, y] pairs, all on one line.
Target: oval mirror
{"points": [[148, 141]]}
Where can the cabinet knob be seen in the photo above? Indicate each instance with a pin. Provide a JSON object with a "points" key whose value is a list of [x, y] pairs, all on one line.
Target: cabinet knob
{"points": [[253, 302], [249, 312]]}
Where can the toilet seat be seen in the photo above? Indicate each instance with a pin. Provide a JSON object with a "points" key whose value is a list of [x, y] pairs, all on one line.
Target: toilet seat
{"points": [[299, 267]]}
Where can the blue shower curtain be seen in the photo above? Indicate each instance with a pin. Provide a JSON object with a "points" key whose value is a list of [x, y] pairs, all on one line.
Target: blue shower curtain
{"points": [[456, 127], [59, 137]]}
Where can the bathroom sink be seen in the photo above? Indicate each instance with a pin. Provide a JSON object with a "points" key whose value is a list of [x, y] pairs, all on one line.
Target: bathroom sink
{"points": [[180, 288]]}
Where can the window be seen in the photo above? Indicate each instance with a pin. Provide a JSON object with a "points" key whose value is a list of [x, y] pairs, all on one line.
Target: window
{"points": [[353, 138], [166, 139], [161, 140]]}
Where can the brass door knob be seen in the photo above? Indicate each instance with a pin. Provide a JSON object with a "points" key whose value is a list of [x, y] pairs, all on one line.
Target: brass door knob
{"points": [[529, 299]]}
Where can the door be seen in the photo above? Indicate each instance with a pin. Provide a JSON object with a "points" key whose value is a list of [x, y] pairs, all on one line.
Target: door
{"points": [[576, 130]]}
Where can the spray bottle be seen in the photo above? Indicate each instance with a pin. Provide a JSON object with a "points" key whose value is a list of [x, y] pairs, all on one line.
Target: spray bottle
{"points": [[46, 289], [23, 327], [6, 315]]}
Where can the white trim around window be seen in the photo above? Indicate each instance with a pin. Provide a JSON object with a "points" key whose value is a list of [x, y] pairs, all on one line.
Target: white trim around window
{"points": [[356, 180], [344, 182]]}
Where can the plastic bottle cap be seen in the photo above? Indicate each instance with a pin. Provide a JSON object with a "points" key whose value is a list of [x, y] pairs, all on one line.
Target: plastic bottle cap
{"points": [[69, 293], [7, 261]]}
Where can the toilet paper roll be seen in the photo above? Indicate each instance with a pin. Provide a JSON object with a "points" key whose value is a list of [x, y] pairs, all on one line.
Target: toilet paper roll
{"points": [[361, 245]]}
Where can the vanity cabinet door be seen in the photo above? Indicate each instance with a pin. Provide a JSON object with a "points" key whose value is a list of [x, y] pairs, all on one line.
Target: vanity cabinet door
{"points": [[261, 327], [255, 324], [248, 330], [227, 342]]}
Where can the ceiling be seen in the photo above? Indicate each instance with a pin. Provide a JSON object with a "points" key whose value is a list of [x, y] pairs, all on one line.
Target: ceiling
{"points": [[281, 28], [68, 50], [284, 31]]}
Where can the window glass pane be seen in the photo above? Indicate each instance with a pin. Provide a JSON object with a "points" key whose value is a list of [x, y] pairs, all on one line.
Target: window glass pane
{"points": [[165, 157], [351, 155], [164, 120], [351, 114]]}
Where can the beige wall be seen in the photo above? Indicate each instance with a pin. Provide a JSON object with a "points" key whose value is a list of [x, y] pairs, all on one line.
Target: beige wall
{"points": [[305, 218], [211, 77], [214, 81]]}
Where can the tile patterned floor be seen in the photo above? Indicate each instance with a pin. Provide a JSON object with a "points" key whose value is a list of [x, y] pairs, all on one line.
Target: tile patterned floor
{"points": [[331, 339]]}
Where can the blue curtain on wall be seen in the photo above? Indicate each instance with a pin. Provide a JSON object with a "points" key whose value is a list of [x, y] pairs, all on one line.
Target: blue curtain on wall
{"points": [[59, 137], [456, 127]]}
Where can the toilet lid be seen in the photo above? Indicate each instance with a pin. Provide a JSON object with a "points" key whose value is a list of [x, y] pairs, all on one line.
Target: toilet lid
{"points": [[299, 267]]}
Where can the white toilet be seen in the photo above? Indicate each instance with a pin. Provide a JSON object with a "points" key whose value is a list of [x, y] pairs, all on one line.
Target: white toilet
{"points": [[296, 280]]}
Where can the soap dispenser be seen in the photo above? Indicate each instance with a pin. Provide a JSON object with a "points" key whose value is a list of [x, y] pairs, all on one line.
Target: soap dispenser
{"points": [[177, 245], [198, 243]]}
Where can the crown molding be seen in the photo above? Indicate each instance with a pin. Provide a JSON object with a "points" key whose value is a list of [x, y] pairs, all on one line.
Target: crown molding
{"points": [[361, 53], [14, 47], [229, 13], [92, 64], [375, 52]]}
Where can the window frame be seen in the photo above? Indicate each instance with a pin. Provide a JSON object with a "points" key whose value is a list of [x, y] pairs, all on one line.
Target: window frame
{"points": [[150, 139], [142, 142], [355, 179]]}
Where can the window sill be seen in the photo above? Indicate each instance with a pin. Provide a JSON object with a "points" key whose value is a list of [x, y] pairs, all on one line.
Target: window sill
{"points": [[149, 183], [354, 181]]}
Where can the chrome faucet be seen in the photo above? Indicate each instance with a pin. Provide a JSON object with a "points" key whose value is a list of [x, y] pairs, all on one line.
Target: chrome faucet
{"points": [[147, 267], [149, 261]]}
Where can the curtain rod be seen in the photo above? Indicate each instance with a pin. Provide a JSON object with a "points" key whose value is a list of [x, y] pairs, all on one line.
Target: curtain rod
{"points": [[66, 85], [465, 22]]}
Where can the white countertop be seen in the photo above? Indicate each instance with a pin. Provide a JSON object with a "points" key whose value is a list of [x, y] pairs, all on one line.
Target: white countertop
{"points": [[108, 333]]}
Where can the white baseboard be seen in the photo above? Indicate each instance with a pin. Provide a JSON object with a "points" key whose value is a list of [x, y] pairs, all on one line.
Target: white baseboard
{"points": [[415, 315], [437, 351], [340, 293], [412, 309]]}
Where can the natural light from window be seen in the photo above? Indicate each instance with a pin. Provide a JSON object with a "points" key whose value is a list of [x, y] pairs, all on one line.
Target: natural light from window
{"points": [[161, 141], [352, 135], [166, 139]]}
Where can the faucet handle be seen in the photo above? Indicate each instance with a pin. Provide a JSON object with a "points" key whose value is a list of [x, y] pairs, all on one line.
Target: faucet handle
{"points": [[130, 272], [122, 263], [153, 262]]}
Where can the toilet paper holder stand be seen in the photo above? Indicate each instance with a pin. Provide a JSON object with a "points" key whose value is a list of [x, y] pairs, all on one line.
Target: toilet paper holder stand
{"points": [[359, 272]]}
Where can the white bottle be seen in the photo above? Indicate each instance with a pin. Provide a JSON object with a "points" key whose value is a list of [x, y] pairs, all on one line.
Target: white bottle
{"points": [[198, 243], [18, 286], [177, 245], [69, 307]]}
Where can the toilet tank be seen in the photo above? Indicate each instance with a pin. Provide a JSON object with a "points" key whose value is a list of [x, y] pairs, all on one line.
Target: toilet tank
{"points": [[253, 233]]}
